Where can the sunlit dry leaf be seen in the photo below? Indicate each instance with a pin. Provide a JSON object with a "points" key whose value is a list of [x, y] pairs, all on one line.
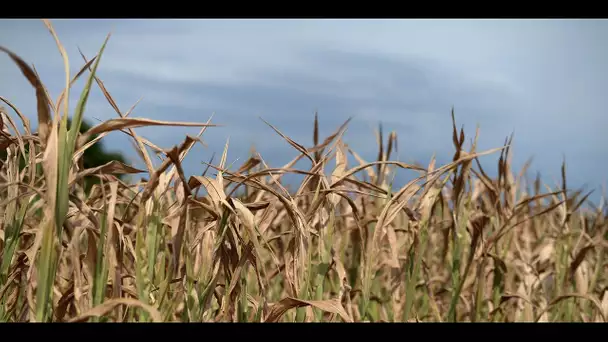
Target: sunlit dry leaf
{"points": [[333, 306], [112, 167], [339, 171], [44, 115], [107, 306], [122, 123]]}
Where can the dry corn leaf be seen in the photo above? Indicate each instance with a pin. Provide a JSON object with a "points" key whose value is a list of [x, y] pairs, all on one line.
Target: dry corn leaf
{"points": [[332, 306], [44, 115], [110, 304]]}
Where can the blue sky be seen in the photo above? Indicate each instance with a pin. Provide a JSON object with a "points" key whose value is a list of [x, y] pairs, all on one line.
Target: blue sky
{"points": [[544, 80]]}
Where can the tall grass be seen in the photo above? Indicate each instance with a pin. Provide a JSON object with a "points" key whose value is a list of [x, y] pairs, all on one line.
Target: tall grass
{"points": [[234, 245]]}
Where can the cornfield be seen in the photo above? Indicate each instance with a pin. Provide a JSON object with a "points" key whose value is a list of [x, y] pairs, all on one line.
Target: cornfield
{"points": [[452, 245]]}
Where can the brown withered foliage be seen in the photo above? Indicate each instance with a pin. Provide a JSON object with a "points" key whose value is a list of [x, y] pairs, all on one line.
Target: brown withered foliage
{"points": [[233, 244]]}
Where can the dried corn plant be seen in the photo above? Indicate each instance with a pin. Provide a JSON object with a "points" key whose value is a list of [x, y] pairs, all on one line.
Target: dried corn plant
{"points": [[235, 245]]}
